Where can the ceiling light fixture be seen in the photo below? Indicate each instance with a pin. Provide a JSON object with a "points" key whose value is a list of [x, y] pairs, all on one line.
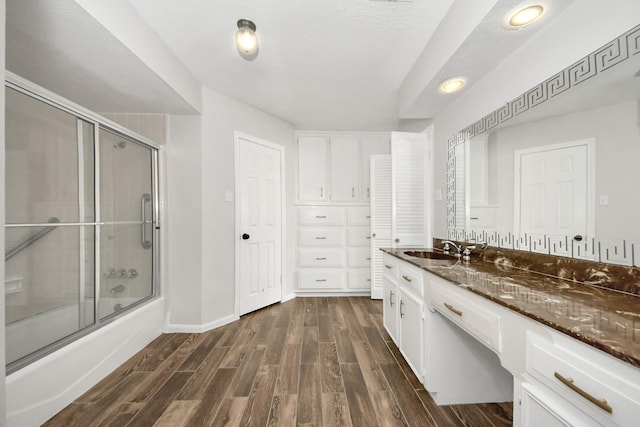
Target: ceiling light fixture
{"points": [[452, 85], [247, 40], [525, 16]]}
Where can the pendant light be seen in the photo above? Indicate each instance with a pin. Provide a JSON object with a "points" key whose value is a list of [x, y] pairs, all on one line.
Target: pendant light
{"points": [[247, 40]]}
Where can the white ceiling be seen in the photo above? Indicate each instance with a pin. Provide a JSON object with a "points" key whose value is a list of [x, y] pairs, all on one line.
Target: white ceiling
{"points": [[323, 64]]}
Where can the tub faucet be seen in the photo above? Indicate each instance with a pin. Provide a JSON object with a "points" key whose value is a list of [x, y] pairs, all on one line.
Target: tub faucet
{"points": [[117, 289], [458, 248]]}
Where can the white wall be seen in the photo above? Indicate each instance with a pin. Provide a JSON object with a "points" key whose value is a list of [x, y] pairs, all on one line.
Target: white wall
{"points": [[200, 170], [221, 117], [183, 235], [580, 29]]}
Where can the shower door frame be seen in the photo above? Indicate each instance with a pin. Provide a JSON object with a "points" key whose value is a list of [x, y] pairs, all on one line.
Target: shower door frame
{"points": [[39, 93]]}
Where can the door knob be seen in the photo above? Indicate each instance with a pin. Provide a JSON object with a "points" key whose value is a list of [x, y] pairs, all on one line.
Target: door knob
{"points": [[245, 236]]}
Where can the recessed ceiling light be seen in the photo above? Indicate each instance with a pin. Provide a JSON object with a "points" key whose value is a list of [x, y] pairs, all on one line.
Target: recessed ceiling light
{"points": [[525, 16], [452, 85]]}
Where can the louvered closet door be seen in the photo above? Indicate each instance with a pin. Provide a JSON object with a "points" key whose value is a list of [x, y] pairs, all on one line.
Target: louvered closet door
{"points": [[380, 218], [408, 172]]}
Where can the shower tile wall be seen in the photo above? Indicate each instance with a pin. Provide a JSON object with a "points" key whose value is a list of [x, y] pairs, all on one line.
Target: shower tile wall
{"points": [[152, 126]]}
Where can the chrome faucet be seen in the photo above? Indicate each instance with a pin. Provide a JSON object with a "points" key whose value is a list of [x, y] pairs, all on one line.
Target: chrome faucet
{"points": [[466, 252], [447, 248]]}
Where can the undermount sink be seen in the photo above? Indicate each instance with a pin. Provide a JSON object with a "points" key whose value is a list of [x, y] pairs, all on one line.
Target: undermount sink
{"points": [[430, 255]]}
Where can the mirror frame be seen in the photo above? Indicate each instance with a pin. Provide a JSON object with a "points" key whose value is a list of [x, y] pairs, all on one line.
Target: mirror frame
{"points": [[613, 251]]}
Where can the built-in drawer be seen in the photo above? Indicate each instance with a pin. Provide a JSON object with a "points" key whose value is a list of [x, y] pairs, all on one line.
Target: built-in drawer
{"points": [[321, 215], [321, 278], [605, 388], [469, 315], [359, 236], [359, 278], [359, 215], [391, 267], [359, 257], [321, 257], [324, 236], [411, 278]]}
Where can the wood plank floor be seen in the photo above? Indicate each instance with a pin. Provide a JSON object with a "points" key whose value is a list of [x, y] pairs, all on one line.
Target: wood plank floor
{"points": [[307, 362]]}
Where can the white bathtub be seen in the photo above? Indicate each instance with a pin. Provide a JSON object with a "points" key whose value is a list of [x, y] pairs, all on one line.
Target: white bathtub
{"points": [[41, 389], [28, 335]]}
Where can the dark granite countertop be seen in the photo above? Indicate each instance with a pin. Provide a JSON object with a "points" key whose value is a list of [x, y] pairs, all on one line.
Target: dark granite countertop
{"points": [[603, 318]]}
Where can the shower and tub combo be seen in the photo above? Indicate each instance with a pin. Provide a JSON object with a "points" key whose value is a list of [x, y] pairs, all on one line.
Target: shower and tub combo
{"points": [[81, 231]]}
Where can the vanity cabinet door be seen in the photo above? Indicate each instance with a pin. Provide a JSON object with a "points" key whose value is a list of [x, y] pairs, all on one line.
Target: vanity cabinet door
{"points": [[390, 309], [411, 327], [540, 407]]}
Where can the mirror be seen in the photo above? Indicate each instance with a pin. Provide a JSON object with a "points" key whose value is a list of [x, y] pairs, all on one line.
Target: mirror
{"points": [[557, 170]]}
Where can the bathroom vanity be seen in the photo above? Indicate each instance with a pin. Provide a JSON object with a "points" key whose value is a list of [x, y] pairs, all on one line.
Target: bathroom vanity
{"points": [[565, 352]]}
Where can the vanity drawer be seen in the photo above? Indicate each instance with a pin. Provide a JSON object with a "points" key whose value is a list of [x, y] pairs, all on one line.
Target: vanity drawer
{"points": [[359, 215], [359, 236], [359, 257], [321, 215], [321, 258], [411, 278], [326, 236], [604, 388], [311, 278], [470, 316], [390, 268]]}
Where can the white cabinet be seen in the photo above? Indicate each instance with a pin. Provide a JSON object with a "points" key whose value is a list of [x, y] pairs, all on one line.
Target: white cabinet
{"points": [[333, 251], [333, 167], [403, 311], [411, 176], [390, 309], [312, 168], [411, 327], [580, 382], [345, 169], [540, 407]]}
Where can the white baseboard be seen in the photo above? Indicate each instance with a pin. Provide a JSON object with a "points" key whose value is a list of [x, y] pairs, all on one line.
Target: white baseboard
{"points": [[288, 297], [198, 329], [332, 294]]}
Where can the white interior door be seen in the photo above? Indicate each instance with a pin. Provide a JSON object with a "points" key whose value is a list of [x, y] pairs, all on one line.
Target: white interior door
{"points": [[259, 195], [554, 190], [380, 218]]}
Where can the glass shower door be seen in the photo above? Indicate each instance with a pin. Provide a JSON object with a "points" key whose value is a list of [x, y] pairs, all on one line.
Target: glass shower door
{"points": [[49, 244], [126, 210]]}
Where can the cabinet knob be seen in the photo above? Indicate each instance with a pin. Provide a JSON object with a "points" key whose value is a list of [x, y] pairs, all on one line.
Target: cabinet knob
{"points": [[245, 236], [373, 235], [397, 240]]}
